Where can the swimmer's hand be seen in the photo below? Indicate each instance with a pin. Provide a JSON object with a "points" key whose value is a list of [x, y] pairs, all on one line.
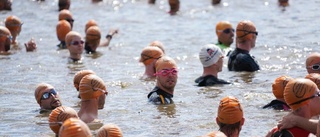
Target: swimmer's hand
{"points": [[30, 45], [287, 121]]}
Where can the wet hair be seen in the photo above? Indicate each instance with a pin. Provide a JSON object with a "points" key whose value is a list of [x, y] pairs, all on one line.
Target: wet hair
{"points": [[229, 129], [64, 4]]}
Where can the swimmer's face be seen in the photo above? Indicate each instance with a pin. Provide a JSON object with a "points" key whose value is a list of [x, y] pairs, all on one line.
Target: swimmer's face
{"points": [[167, 78], [49, 99], [76, 46], [227, 36], [101, 101]]}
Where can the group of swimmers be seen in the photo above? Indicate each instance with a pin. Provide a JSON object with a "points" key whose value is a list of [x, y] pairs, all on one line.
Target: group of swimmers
{"points": [[65, 121], [300, 96]]}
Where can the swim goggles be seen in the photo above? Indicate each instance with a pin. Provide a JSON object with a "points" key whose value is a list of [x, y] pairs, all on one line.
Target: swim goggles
{"points": [[46, 95], [166, 72], [300, 101], [315, 67]]}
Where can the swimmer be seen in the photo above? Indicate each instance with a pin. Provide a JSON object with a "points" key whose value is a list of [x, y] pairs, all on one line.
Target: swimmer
{"points": [[225, 34], [166, 75], [277, 89], [76, 82], [75, 46], [230, 117], [59, 115], [90, 89], [14, 24], [211, 58], [47, 97], [302, 95], [240, 59]]}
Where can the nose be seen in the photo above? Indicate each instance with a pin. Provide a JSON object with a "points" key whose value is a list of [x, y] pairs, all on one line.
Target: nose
{"points": [[52, 95]]}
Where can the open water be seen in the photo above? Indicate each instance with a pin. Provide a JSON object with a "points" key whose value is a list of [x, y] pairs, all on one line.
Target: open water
{"points": [[286, 37]]}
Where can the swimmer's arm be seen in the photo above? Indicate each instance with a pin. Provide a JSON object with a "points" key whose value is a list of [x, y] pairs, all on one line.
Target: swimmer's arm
{"points": [[308, 124], [106, 42], [292, 120]]}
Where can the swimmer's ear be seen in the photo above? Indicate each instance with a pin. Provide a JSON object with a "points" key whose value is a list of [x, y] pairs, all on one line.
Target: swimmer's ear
{"points": [[76, 86]]}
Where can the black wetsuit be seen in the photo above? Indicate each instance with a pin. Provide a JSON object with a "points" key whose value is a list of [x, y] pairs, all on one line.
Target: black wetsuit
{"points": [[209, 80], [241, 60], [62, 45], [277, 105], [158, 96]]}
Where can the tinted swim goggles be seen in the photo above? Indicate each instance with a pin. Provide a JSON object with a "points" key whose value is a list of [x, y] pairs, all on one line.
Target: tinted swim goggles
{"points": [[315, 67], [300, 101], [77, 42], [166, 72], [46, 95], [227, 31]]}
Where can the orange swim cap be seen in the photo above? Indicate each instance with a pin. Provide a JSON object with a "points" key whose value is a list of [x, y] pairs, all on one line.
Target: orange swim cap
{"points": [[222, 25], [230, 110], [70, 36], [4, 33], [279, 84], [314, 77], [13, 23], [38, 90], [93, 33], [91, 86], [158, 44], [79, 75], [89, 24], [244, 30], [109, 130], [74, 127], [65, 14], [165, 62], [60, 114], [149, 53], [62, 29], [297, 90], [215, 134]]}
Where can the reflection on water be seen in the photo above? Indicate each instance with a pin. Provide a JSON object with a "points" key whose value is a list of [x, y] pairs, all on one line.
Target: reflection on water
{"points": [[168, 110]]}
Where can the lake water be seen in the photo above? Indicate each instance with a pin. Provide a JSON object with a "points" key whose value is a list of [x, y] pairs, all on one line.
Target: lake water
{"points": [[286, 37]]}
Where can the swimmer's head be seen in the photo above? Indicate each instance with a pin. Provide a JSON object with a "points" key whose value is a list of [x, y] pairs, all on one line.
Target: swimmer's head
{"points": [[14, 24], [278, 86], [74, 127], [229, 111], [60, 114], [5, 38], [297, 93], [66, 15], [245, 30], [62, 29], [91, 87], [149, 54], [313, 63], [64, 4], [109, 130], [89, 24], [79, 75], [158, 44]]}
